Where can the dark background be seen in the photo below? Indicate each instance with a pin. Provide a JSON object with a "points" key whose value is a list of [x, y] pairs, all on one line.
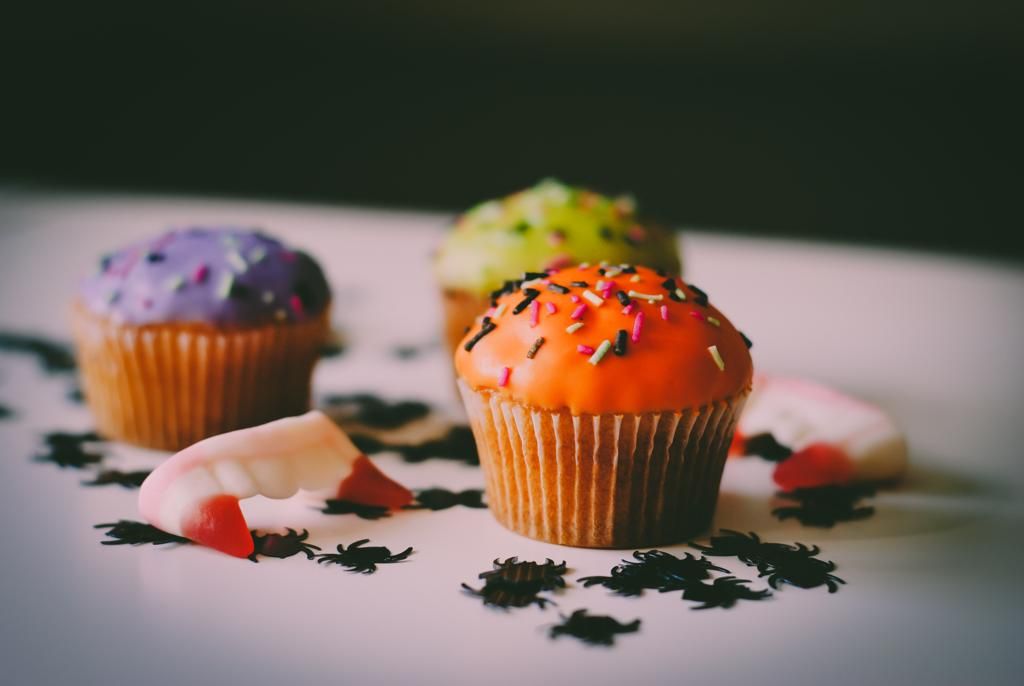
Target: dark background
{"points": [[883, 122]]}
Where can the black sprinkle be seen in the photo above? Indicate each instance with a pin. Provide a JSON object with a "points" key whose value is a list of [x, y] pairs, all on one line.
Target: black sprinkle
{"points": [[154, 257], [593, 629], [531, 294], [765, 446], [825, 506], [557, 288], [487, 327], [623, 298], [669, 284], [746, 340], [116, 476], [700, 297], [628, 269], [620, 342], [105, 262], [606, 233], [281, 545], [533, 276], [435, 499], [534, 348], [580, 284], [52, 356], [660, 272], [128, 532], [336, 506]]}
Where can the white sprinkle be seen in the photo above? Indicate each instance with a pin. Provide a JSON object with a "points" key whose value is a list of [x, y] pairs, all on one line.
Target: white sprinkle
{"points": [[573, 328], [498, 311], [601, 351], [593, 298], [681, 294], [257, 254], [268, 297], [281, 315], [584, 265], [237, 262], [175, 283], [646, 296], [635, 278], [227, 282], [712, 321], [532, 283], [612, 272], [717, 357]]}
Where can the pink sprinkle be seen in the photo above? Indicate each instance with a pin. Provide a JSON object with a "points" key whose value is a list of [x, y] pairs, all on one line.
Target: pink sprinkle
{"points": [[550, 307], [296, 304], [602, 284], [696, 315], [534, 313], [578, 312], [200, 274], [556, 238], [575, 298], [638, 325], [636, 232], [584, 349], [489, 312], [546, 282], [664, 312], [287, 256], [503, 377], [607, 292], [628, 309]]}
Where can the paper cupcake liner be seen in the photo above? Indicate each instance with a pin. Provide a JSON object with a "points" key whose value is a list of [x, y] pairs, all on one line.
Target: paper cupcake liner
{"points": [[601, 481], [461, 308], [168, 386]]}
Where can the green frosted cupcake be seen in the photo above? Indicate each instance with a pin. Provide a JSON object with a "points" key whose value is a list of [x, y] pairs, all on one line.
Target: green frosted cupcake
{"points": [[548, 226]]}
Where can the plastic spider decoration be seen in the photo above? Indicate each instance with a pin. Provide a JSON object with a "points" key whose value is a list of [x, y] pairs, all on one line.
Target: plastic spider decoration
{"points": [[456, 444], [749, 548], [53, 357], [654, 569], [66, 449], [824, 506], [441, 499], [115, 476], [282, 545], [593, 629], [802, 572], [337, 506], [766, 447], [370, 410], [517, 584], [356, 558], [723, 592], [128, 532]]}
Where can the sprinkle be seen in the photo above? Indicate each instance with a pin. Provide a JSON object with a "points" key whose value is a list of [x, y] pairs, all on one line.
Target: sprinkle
{"points": [[696, 315], [646, 296], [669, 284], [575, 298], [601, 351], [105, 262], [531, 293], [664, 312], [638, 325], [623, 298], [534, 313], [488, 326], [296, 304], [602, 284], [281, 314], [580, 284], [268, 297], [636, 233], [154, 257], [287, 255], [628, 269], [607, 293], [175, 283], [257, 254], [584, 349], [584, 265], [628, 309], [534, 348], [593, 298], [237, 262], [533, 282], [227, 283], [746, 340], [489, 312], [620, 342], [635, 278], [503, 377], [200, 274], [578, 312], [557, 288], [612, 271], [713, 321], [604, 263], [500, 309], [532, 276], [606, 233], [573, 328], [113, 297], [717, 357], [679, 295], [701, 297], [550, 307]]}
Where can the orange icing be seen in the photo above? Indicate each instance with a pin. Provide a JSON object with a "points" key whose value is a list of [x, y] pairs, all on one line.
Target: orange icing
{"points": [[669, 368]]}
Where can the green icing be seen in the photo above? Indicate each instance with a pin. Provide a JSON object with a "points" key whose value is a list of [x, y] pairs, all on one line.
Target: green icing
{"points": [[532, 229]]}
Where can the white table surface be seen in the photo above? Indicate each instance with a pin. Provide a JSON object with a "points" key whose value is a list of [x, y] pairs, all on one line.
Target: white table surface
{"points": [[933, 592]]}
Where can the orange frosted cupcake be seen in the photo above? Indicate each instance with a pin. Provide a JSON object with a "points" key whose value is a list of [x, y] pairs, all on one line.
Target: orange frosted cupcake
{"points": [[603, 401]]}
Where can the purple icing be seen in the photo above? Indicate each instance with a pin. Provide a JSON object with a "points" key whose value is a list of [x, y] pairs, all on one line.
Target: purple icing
{"points": [[222, 275]]}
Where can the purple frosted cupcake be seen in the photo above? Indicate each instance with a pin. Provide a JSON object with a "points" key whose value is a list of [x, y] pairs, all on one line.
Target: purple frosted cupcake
{"points": [[198, 332]]}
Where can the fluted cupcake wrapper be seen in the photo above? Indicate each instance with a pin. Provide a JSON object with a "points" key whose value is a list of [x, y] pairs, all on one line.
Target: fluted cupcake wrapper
{"points": [[168, 386], [601, 481]]}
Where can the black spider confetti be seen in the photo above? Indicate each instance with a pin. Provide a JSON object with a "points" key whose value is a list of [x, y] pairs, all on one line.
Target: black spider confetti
{"points": [[766, 447], [128, 532], [282, 545], [6, 412], [53, 357], [356, 558], [68, 449], [802, 572], [370, 410], [456, 444], [593, 629], [441, 499], [723, 592], [337, 506], [116, 476], [825, 506], [505, 597], [654, 569], [517, 584]]}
